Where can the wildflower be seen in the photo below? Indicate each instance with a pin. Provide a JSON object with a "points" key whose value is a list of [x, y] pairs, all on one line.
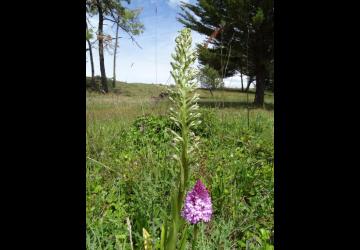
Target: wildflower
{"points": [[198, 205]]}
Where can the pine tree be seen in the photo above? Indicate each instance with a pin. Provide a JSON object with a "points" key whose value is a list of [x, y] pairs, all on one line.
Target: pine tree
{"points": [[115, 12], [245, 42]]}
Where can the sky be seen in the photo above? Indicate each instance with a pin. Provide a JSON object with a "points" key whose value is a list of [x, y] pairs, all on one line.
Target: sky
{"points": [[151, 64]]}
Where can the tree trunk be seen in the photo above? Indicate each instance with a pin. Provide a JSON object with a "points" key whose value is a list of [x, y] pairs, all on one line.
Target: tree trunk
{"points": [[101, 48], [242, 82], [260, 71], [93, 85], [115, 50], [248, 84], [260, 86]]}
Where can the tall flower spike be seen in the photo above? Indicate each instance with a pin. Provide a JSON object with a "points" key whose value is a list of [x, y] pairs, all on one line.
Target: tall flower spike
{"points": [[185, 115], [198, 206]]}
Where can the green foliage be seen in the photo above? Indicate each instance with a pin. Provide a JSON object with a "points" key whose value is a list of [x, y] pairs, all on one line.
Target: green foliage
{"points": [[258, 18], [130, 23], [105, 215], [210, 78], [245, 41], [89, 34], [128, 19], [236, 162], [98, 82], [154, 128]]}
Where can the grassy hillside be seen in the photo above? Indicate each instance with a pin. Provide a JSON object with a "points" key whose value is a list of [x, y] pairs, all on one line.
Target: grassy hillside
{"points": [[129, 100]]}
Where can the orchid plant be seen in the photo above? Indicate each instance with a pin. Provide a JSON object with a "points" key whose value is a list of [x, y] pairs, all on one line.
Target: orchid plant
{"points": [[185, 115]]}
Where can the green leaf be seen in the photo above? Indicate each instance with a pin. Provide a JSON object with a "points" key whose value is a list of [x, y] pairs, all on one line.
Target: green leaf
{"points": [[183, 238], [162, 237]]}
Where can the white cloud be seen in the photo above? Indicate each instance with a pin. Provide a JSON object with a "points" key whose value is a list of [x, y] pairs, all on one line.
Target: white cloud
{"points": [[235, 81], [175, 3]]}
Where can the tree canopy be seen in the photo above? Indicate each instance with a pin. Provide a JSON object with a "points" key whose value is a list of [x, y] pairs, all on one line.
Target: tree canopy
{"points": [[245, 41], [209, 78]]}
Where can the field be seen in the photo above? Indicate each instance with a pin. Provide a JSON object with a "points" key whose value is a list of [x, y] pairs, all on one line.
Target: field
{"points": [[130, 170]]}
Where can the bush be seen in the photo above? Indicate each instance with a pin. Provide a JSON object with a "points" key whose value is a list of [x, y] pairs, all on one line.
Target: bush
{"points": [[98, 83], [209, 78], [155, 128]]}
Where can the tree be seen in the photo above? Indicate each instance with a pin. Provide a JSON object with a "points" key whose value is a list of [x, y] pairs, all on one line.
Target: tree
{"points": [[113, 11], [101, 9], [115, 50], [209, 78], [245, 43], [89, 36], [130, 24]]}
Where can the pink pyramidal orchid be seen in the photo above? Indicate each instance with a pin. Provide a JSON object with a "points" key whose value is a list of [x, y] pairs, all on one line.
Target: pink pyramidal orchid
{"points": [[198, 205]]}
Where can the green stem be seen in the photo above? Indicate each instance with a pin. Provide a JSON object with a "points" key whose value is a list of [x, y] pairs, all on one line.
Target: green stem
{"points": [[196, 229]]}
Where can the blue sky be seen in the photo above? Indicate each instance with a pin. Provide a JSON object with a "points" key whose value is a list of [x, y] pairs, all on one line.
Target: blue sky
{"points": [[138, 65]]}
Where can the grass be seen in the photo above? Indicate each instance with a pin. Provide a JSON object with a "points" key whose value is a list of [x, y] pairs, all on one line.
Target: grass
{"points": [[129, 170], [132, 100]]}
